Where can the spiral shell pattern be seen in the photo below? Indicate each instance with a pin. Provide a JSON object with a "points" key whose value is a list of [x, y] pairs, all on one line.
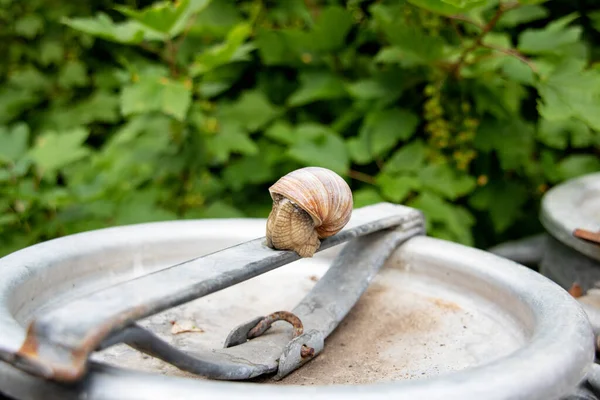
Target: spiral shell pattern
{"points": [[322, 193]]}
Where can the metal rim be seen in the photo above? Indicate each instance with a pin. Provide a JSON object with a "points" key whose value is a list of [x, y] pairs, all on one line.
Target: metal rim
{"points": [[561, 334], [561, 213]]}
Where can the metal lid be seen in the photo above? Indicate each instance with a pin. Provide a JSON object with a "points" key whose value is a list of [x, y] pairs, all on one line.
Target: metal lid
{"points": [[440, 321], [571, 213]]}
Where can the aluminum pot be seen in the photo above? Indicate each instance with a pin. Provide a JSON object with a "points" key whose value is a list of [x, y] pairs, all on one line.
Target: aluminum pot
{"points": [[567, 208], [439, 321], [560, 253]]}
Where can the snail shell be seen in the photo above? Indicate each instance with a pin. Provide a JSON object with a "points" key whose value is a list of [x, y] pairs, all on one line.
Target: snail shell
{"points": [[309, 204]]}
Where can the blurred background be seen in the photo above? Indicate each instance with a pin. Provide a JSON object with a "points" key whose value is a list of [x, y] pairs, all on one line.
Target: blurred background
{"points": [[119, 112]]}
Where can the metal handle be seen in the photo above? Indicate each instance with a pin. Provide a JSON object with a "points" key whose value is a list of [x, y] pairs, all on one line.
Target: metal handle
{"points": [[59, 343]]}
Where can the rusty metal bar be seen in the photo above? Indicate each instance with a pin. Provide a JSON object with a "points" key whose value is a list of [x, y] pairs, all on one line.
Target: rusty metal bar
{"points": [[59, 343], [588, 236]]}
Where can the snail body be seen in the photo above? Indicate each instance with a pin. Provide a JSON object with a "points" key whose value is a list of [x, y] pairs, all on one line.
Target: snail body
{"points": [[309, 204]]}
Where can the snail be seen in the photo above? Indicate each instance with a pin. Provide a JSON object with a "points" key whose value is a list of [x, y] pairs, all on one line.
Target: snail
{"points": [[309, 204]]}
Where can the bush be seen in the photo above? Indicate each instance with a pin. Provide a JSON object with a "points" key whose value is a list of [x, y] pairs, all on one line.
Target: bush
{"points": [[117, 113]]}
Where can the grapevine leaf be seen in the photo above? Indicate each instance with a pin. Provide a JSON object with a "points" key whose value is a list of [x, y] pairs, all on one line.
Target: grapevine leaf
{"points": [[559, 133], [551, 39], [571, 91], [366, 196], [442, 179], [102, 26], [233, 49], [325, 150], [397, 188], [253, 110], [456, 220], [156, 94], [315, 86], [503, 200], [13, 142], [165, 17], [384, 128], [409, 158], [54, 150], [577, 165]]}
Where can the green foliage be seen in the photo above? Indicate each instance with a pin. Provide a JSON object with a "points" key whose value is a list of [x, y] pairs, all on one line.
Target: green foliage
{"points": [[126, 112]]}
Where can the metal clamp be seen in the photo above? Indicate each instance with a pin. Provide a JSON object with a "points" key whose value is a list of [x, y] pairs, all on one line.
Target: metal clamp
{"points": [[59, 343]]}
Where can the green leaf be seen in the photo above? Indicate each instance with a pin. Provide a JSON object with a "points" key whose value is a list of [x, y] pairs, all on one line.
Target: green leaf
{"points": [[29, 78], [248, 170], [498, 96], [358, 148], [410, 45], [326, 150], [8, 219], [365, 197], [503, 200], [253, 110], [73, 74], [102, 26], [518, 71], [455, 219], [386, 86], [409, 158], [156, 94], [554, 37], [231, 138], [281, 131], [367, 89], [462, 4], [384, 128], [578, 165], [141, 207], [218, 80], [53, 150], [522, 15], [526, 2], [14, 101], [13, 142], [549, 166], [559, 133], [331, 29], [216, 19], [29, 26], [232, 50], [443, 180], [273, 47], [397, 188], [51, 52], [315, 86], [437, 6], [165, 17], [512, 140], [101, 106], [571, 91], [218, 209]]}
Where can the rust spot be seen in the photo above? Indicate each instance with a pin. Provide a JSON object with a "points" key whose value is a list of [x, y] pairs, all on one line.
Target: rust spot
{"points": [[448, 305], [313, 278], [306, 351], [266, 323], [29, 356], [588, 236], [576, 290], [30, 346]]}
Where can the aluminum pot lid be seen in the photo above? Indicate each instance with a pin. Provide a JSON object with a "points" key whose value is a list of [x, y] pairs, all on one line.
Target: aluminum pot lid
{"points": [[571, 213], [441, 320]]}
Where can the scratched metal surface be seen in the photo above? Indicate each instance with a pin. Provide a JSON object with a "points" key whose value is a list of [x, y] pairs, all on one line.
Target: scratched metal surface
{"points": [[436, 321]]}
